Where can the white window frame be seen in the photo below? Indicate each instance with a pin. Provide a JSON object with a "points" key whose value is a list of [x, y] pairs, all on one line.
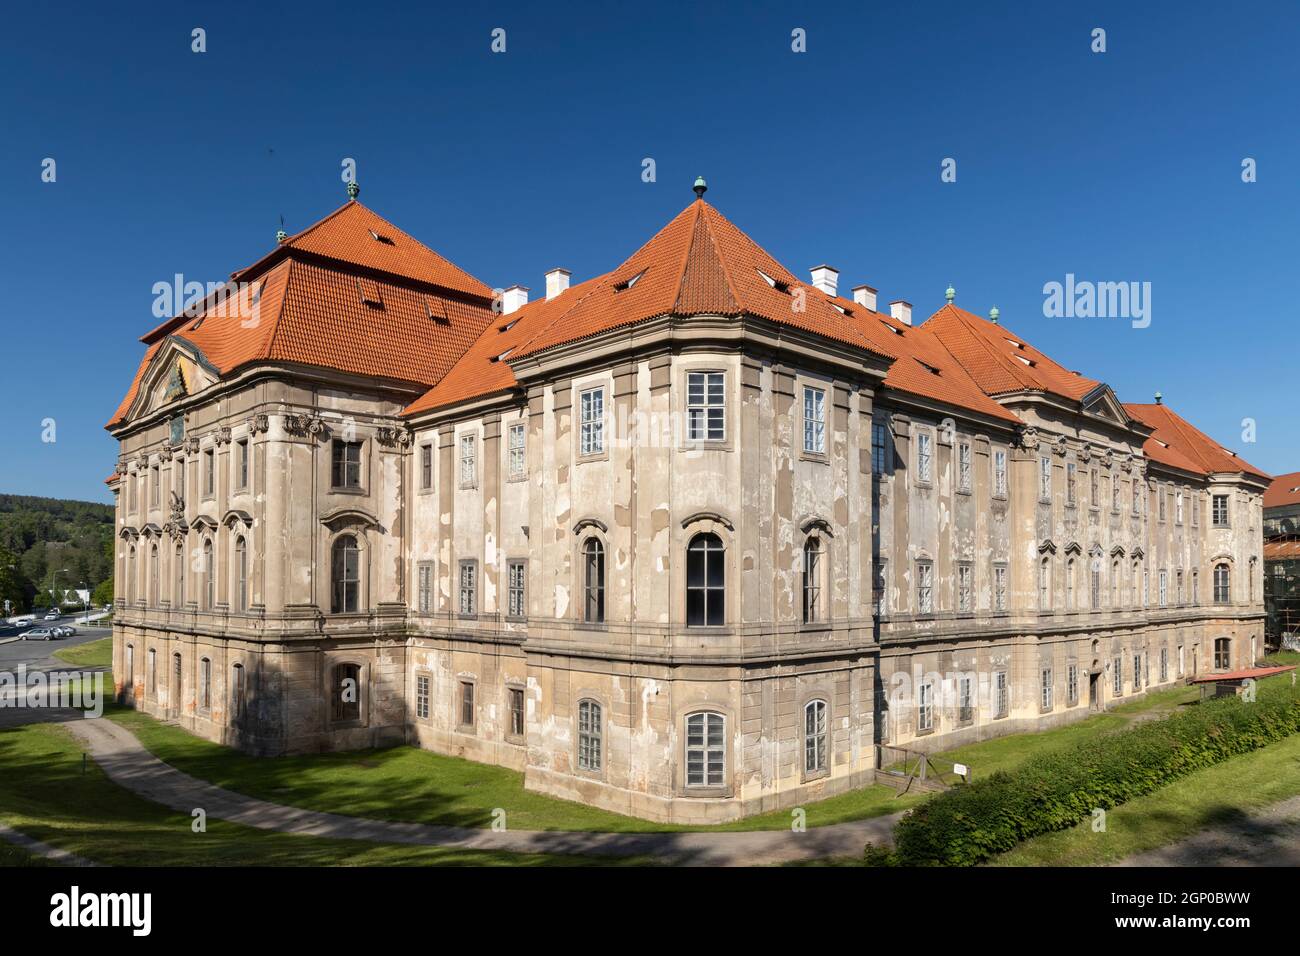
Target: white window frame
{"points": [[706, 406], [815, 723], [468, 461], [1000, 473], [964, 467], [924, 456], [924, 587], [1044, 478], [591, 410], [706, 738], [814, 420], [517, 450]]}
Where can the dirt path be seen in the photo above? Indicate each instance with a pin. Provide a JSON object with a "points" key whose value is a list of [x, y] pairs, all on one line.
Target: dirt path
{"points": [[1268, 837]]}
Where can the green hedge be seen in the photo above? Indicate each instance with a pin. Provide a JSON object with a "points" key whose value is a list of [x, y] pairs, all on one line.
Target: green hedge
{"points": [[1053, 791]]}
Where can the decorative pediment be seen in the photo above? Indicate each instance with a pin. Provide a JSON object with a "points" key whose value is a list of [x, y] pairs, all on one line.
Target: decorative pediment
{"points": [[129, 532], [1117, 551], [1048, 546], [205, 521], [713, 516], [1139, 553], [346, 516], [176, 372], [1103, 403], [151, 530], [1073, 548], [584, 523], [235, 517], [175, 387], [819, 525]]}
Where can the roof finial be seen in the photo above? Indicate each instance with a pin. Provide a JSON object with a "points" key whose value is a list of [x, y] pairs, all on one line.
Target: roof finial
{"points": [[281, 235], [1158, 398], [950, 294], [700, 187], [993, 315], [353, 189]]}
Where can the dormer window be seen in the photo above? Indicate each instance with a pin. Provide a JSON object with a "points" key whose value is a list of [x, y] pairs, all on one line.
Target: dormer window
{"points": [[378, 238], [434, 310], [628, 283], [369, 292], [776, 284]]}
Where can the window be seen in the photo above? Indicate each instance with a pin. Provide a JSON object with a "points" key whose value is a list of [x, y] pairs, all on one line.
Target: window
{"points": [[422, 696], [814, 736], [925, 707], [1137, 671], [426, 467], [1072, 684], [879, 448], [155, 486], [346, 464], [924, 587], [1178, 585], [706, 406], [1181, 660], [130, 668], [593, 581], [1114, 493], [593, 421], [516, 695], [812, 580], [517, 450], [347, 692], [1044, 479], [1094, 496], [1196, 508], [1178, 507], [1069, 483], [209, 579], [1046, 688], [878, 586], [924, 453], [814, 420], [1117, 672], [424, 588], [1164, 664], [999, 587], [467, 703], [153, 576], [589, 736], [1161, 506], [345, 566], [706, 753], [965, 588], [963, 467], [174, 695], [1164, 587], [205, 684], [965, 699], [178, 559], [1137, 497], [241, 463], [469, 587], [1222, 584], [151, 675], [1135, 588], [516, 575], [705, 584], [1222, 654], [209, 473], [1070, 571], [468, 461], [1196, 586], [237, 692], [241, 574], [1045, 584], [1000, 696], [1000, 474], [1114, 583]]}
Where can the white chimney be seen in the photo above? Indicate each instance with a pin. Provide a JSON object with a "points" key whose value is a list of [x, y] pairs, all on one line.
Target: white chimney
{"points": [[825, 278], [865, 295], [901, 310], [513, 299], [557, 280]]}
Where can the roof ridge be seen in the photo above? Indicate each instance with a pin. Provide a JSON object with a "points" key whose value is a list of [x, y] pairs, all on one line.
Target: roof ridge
{"points": [[596, 282], [982, 341], [705, 208], [284, 298]]}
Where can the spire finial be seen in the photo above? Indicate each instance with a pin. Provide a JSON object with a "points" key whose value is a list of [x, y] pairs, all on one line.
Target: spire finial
{"points": [[353, 189], [281, 236], [1159, 397], [700, 187], [950, 294], [993, 315]]}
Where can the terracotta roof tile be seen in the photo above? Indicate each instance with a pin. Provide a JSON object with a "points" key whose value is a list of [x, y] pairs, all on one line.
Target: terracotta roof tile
{"points": [[1176, 442], [1285, 490]]}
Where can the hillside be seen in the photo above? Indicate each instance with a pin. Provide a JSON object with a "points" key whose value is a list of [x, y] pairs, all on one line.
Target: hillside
{"points": [[39, 536]]}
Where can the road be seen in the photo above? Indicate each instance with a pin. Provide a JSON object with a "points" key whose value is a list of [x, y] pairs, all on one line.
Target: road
{"points": [[36, 655]]}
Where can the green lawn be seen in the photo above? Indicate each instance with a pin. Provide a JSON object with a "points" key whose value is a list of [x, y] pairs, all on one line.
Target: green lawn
{"points": [[1216, 795], [11, 855], [91, 654], [45, 794]]}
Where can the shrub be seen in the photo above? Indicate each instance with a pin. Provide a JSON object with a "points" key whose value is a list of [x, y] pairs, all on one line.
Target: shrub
{"points": [[1054, 791]]}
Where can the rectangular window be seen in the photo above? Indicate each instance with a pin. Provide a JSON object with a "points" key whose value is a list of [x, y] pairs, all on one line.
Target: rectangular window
{"points": [[965, 699], [1181, 660], [1072, 684], [879, 448], [1137, 671], [209, 473], [1094, 497], [517, 450], [1164, 588], [241, 463], [593, 421], [924, 454], [1146, 588], [706, 406], [1178, 507], [1001, 699], [1117, 669], [999, 587], [1178, 585], [346, 464], [1162, 509], [467, 703], [422, 696], [965, 588], [963, 467], [924, 587], [469, 587], [925, 708], [425, 587], [1164, 664], [155, 480], [516, 575], [1196, 509], [999, 474], [1219, 514], [1044, 479], [1045, 583], [205, 684], [516, 695], [1196, 587], [814, 420], [426, 467], [1070, 494], [878, 586], [1046, 688], [468, 461]]}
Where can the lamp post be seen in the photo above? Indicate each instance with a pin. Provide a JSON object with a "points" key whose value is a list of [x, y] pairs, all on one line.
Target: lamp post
{"points": [[54, 586], [85, 603]]}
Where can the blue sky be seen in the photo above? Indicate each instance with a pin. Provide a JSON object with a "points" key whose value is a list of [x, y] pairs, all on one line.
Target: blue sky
{"points": [[1119, 166]]}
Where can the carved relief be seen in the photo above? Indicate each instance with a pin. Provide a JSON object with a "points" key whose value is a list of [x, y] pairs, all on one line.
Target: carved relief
{"points": [[223, 435], [303, 425], [388, 435], [259, 423], [1027, 438]]}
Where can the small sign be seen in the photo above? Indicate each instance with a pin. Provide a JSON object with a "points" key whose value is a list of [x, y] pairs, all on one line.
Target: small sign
{"points": [[961, 769]]}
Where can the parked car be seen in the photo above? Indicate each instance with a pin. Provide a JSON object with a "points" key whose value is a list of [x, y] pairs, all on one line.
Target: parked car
{"points": [[39, 634], [25, 621], [53, 616], [63, 630]]}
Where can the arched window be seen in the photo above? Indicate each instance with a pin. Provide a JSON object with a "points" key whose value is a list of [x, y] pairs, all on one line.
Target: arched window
{"points": [[593, 581], [812, 580], [1222, 584], [705, 581], [814, 736], [153, 575], [706, 750], [174, 695], [1114, 583], [347, 692], [1045, 583], [129, 682], [346, 564], [205, 684], [209, 579], [1222, 654], [151, 678], [236, 691], [1096, 583], [178, 595], [1070, 570], [589, 739], [241, 574], [130, 575]]}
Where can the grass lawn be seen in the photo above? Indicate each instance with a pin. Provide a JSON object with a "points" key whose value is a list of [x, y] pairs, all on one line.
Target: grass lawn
{"points": [[91, 654], [1216, 795], [11, 855], [44, 793], [408, 784]]}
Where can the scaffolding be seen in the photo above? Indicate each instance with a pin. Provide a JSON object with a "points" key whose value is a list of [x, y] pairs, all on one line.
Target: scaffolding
{"points": [[1282, 591]]}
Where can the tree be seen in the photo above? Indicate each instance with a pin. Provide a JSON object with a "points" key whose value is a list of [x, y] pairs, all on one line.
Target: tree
{"points": [[103, 593], [11, 585]]}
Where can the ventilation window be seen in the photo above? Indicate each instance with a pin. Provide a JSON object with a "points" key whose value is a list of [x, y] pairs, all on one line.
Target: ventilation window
{"points": [[1019, 345], [508, 326], [369, 291], [434, 310], [776, 284], [498, 358], [929, 368], [628, 283], [1030, 362], [378, 238], [893, 328], [841, 309]]}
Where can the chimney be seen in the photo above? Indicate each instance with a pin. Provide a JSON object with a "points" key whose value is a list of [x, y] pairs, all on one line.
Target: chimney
{"points": [[825, 278], [557, 280], [902, 311], [865, 295], [513, 299]]}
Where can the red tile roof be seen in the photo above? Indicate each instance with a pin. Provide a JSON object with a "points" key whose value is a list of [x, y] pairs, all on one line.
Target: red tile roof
{"points": [[1176, 442], [1255, 673], [1285, 490]]}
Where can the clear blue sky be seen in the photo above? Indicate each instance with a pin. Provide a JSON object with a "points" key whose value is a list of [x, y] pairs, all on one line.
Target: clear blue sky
{"points": [[1122, 166]]}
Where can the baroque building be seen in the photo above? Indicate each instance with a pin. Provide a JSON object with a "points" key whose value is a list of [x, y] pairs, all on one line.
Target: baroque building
{"points": [[688, 540]]}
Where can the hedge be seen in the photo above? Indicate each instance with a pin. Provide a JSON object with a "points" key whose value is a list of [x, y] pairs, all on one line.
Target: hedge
{"points": [[1053, 791]]}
